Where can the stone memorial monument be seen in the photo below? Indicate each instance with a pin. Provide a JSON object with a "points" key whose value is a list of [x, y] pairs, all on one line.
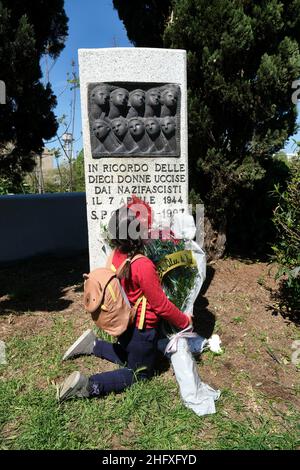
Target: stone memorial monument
{"points": [[134, 115]]}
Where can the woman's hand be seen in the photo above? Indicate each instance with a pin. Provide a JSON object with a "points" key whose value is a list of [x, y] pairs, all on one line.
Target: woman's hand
{"points": [[190, 317]]}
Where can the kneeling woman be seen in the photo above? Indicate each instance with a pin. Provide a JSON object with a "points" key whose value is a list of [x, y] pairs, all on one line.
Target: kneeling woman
{"points": [[136, 348]]}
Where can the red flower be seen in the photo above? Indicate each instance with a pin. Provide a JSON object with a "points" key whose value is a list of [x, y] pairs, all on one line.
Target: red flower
{"points": [[142, 211]]}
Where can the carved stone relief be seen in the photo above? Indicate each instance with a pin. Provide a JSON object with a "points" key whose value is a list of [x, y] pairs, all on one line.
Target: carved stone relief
{"points": [[134, 119]]}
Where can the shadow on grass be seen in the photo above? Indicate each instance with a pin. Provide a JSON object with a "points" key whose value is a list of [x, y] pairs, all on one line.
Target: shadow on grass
{"points": [[39, 284]]}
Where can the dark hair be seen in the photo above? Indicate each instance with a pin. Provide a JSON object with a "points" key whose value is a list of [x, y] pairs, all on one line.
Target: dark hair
{"points": [[120, 227]]}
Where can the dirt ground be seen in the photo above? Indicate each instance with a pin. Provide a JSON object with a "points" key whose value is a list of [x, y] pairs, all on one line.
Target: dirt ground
{"points": [[236, 302]]}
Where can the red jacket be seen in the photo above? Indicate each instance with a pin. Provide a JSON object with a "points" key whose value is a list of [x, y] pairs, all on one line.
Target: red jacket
{"points": [[144, 280]]}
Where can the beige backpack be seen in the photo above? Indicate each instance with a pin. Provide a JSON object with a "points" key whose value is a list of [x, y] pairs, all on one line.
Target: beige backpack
{"points": [[106, 300]]}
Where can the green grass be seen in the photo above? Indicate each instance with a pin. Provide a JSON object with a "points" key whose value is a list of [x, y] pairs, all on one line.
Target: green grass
{"points": [[238, 320], [150, 415]]}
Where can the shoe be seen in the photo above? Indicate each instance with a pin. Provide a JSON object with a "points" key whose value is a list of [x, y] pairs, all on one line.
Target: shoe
{"points": [[83, 345], [76, 385]]}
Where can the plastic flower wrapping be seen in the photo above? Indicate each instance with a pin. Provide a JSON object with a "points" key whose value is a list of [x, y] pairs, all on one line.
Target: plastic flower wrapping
{"points": [[182, 280]]}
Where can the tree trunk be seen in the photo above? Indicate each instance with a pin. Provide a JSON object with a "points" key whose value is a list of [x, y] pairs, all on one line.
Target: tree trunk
{"points": [[214, 240]]}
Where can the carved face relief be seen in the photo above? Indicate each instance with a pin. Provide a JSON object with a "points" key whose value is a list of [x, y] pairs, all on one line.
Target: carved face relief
{"points": [[152, 126], [153, 97], [168, 126], [136, 127], [169, 98], [134, 119], [101, 129], [119, 127], [100, 96], [119, 97], [137, 99]]}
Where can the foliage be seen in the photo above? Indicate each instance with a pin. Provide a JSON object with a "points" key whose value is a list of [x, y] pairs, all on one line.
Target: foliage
{"points": [[251, 228], [58, 180], [5, 186], [78, 170], [242, 59], [149, 15], [28, 31], [287, 249], [178, 282], [157, 249]]}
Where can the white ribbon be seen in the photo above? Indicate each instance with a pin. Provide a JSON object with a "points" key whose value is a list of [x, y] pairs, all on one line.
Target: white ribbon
{"points": [[186, 333]]}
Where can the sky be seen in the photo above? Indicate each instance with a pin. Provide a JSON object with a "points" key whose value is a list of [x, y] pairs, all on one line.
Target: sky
{"points": [[92, 24]]}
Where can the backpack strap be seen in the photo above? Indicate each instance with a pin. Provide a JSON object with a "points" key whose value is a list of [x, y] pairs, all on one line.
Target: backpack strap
{"points": [[143, 313], [121, 268], [137, 257], [112, 293], [142, 299]]}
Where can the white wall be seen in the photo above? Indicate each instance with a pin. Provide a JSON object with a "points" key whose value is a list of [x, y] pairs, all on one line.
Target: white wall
{"points": [[42, 224]]}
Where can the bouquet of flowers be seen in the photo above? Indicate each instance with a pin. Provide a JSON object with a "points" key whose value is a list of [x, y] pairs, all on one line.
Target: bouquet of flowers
{"points": [[176, 268]]}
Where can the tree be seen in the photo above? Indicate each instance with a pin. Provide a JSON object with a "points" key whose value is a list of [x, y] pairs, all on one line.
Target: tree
{"points": [[144, 20], [287, 246], [56, 180], [29, 30], [242, 59], [78, 167]]}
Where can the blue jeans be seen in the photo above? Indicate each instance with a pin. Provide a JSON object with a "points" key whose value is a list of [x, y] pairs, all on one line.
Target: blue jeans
{"points": [[135, 350]]}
